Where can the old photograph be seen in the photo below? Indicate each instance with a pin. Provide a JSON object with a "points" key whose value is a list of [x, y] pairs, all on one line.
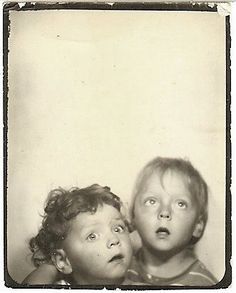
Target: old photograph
{"points": [[117, 147]]}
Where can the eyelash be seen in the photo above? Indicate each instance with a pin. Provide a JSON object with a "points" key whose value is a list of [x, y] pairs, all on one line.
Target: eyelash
{"points": [[150, 202], [153, 202], [89, 238], [119, 228], [182, 204]]}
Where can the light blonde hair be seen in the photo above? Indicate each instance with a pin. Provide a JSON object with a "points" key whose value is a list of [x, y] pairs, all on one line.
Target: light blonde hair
{"points": [[193, 180]]}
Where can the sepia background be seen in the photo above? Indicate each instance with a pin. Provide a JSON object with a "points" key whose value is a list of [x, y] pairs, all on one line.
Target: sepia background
{"points": [[94, 95]]}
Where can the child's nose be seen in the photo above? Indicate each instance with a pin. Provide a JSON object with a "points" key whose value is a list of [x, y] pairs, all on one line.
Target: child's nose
{"points": [[113, 241], [165, 213]]}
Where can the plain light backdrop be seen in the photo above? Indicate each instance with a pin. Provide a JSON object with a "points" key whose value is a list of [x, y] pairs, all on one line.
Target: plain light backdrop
{"points": [[94, 95]]}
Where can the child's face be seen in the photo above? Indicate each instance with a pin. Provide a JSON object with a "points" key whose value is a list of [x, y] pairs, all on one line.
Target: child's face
{"points": [[98, 246], [166, 214]]}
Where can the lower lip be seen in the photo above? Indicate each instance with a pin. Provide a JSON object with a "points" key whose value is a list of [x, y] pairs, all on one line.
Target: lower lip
{"points": [[162, 234], [118, 261]]}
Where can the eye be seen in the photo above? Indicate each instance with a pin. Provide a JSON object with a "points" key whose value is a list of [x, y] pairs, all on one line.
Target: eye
{"points": [[150, 202], [119, 228], [182, 204], [92, 237]]}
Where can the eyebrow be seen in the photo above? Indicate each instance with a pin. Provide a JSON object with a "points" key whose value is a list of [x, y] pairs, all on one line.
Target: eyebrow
{"points": [[149, 193], [120, 218], [98, 224], [87, 228], [117, 219], [90, 224], [155, 194]]}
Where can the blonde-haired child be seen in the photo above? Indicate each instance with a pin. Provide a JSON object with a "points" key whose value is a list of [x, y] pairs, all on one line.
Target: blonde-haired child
{"points": [[170, 210]]}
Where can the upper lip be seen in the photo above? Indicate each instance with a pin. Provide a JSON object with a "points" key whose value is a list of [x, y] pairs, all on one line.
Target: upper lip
{"points": [[116, 257], [163, 230]]}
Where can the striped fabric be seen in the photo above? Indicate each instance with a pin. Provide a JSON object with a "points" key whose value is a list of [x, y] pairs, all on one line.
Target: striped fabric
{"points": [[195, 275]]}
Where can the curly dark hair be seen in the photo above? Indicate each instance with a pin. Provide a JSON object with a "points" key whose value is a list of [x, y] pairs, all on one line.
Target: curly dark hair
{"points": [[61, 207]]}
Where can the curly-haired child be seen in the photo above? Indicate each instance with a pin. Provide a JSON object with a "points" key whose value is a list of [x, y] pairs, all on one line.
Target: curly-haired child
{"points": [[84, 235]]}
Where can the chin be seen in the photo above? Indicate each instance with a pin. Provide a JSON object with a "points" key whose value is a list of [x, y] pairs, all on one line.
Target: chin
{"points": [[114, 280], [162, 248], [118, 273]]}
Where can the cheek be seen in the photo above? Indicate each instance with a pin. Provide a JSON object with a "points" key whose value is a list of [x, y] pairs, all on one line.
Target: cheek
{"points": [[85, 251], [95, 250], [185, 224], [90, 257], [145, 216], [143, 224], [185, 215], [94, 259], [126, 242], [74, 250]]}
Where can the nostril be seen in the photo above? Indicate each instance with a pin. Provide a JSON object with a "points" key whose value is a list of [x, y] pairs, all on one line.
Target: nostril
{"points": [[165, 215], [113, 243]]}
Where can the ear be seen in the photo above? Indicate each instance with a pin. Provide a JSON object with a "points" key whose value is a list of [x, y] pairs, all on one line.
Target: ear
{"points": [[61, 261], [199, 228]]}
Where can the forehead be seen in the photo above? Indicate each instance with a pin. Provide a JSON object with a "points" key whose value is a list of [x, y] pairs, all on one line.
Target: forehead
{"points": [[103, 216], [171, 181]]}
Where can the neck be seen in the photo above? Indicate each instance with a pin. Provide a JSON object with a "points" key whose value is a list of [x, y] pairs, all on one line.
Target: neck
{"points": [[166, 264]]}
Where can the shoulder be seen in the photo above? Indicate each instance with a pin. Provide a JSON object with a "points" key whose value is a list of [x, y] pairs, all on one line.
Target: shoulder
{"points": [[198, 275]]}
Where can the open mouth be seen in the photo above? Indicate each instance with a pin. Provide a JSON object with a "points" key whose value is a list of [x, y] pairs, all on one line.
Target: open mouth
{"points": [[162, 231], [117, 257]]}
